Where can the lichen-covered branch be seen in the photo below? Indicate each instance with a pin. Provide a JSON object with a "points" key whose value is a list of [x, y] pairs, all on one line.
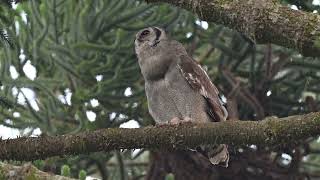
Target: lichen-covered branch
{"points": [[271, 131], [263, 21], [26, 171]]}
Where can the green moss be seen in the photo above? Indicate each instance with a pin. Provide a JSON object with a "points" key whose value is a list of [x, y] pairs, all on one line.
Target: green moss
{"points": [[272, 128], [317, 118], [2, 174]]}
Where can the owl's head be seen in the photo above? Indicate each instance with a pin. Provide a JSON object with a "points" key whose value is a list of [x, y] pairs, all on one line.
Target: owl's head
{"points": [[149, 37]]}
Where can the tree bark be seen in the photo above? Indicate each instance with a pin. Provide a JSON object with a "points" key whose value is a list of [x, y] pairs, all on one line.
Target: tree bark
{"points": [[271, 131], [262, 21]]}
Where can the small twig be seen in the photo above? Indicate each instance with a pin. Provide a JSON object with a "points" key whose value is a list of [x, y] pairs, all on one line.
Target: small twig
{"points": [[207, 54], [244, 94], [122, 170]]}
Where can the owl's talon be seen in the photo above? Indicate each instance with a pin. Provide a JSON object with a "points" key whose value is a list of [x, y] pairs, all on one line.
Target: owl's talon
{"points": [[186, 120], [163, 124], [178, 121], [175, 121]]}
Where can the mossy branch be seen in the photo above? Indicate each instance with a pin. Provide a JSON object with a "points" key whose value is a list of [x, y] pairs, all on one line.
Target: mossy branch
{"points": [[26, 171], [263, 21], [271, 131]]}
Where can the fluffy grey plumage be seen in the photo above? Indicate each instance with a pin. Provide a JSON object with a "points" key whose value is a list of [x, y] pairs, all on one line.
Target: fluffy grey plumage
{"points": [[177, 87]]}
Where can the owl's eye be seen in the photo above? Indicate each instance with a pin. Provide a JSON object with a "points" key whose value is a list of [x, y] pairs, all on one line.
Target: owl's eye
{"points": [[145, 32]]}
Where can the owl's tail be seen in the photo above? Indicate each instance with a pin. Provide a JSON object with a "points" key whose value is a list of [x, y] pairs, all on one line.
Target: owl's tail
{"points": [[217, 155]]}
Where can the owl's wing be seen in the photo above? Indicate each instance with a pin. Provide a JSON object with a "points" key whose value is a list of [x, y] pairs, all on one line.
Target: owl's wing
{"points": [[200, 82]]}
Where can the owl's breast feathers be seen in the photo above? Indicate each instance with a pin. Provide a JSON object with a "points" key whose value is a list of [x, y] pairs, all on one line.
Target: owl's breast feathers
{"points": [[199, 81]]}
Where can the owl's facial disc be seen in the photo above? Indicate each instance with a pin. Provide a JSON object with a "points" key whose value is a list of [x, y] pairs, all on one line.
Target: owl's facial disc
{"points": [[143, 35], [150, 36], [158, 34]]}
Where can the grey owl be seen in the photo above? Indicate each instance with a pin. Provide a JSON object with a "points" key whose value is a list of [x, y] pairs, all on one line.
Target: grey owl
{"points": [[177, 87]]}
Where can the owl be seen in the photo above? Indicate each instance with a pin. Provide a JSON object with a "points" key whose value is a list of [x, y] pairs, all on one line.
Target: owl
{"points": [[177, 87]]}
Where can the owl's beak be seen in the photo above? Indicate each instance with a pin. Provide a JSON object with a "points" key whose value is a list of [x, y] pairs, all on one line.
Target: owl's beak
{"points": [[139, 39]]}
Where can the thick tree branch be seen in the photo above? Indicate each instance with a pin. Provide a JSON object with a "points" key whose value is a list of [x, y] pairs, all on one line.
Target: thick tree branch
{"points": [[271, 131], [263, 21]]}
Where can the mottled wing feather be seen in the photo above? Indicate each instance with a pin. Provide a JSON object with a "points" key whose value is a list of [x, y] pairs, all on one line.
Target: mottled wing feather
{"points": [[200, 82]]}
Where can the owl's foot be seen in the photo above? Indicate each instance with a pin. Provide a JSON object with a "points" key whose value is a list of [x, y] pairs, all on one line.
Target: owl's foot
{"points": [[173, 121], [163, 124], [176, 120], [187, 120]]}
